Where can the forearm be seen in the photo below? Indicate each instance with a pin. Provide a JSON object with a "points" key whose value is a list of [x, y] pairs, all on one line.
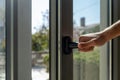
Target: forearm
{"points": [[113, 31]]}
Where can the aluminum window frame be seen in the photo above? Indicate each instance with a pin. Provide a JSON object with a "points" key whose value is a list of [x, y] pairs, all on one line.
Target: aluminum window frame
{"points": [[9, 39], [59, 13], [18, 35], [115, 4], [105, 53]]}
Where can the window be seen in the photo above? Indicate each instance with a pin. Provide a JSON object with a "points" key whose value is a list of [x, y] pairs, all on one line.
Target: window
{"points": [[65, 19], [93, 17]]}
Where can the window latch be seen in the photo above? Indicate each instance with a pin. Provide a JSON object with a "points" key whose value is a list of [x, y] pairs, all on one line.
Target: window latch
{"points": [[68, 45]]}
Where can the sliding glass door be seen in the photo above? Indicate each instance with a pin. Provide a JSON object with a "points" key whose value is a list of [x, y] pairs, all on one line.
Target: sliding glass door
{"points": [[40, 40], [72, 18]]}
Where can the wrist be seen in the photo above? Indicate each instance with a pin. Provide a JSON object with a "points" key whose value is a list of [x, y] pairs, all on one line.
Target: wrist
{"points": [[105, 35]]}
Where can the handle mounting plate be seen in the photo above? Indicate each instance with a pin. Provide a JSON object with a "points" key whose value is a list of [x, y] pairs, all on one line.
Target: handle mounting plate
{"points": [[68, 45]]}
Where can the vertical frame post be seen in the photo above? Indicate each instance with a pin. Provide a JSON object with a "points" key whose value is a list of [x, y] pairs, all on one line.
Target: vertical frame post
{"points": [[115, 43], [66, 24], [22, 39], [9, 39]]}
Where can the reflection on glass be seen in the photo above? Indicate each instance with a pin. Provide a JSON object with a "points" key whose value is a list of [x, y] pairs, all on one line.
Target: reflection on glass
{"points": [[86, 19], [2, 39], [40, 39]]}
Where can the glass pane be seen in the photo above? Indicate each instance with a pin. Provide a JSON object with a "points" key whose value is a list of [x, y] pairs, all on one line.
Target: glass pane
{"points": [[40, 39], [2, 39], [86, 19]]}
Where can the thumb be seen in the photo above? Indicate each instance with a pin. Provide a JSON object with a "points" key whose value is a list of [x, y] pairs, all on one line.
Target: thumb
{"points": [[86, 44]]}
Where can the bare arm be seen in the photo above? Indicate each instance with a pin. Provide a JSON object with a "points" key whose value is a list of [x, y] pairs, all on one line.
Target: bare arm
{"points": [[89, 41], [113, 31]]}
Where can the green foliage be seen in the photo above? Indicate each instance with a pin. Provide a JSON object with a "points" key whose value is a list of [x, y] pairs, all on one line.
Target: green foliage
{"points": [[40, 40], [92, 30], [2, 14], [92, 56], [46, 62], [96, 29], [2, 46]]}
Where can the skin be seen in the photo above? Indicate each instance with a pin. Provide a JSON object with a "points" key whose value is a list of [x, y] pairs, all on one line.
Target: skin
{"points": [[87, 42]]}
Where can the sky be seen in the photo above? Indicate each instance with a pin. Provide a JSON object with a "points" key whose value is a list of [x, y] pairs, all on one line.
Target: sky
{"points": [[2, 12], [2, 3], [38, 6], [90, 9]]}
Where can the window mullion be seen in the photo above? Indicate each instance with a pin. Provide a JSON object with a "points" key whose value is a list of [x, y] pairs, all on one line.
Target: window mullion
{"points": [[22, 40], [9, 39]]}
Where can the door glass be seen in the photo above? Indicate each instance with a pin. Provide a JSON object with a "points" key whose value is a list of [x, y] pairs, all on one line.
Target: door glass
{"points": [[40, 39], [86, 19], [2, 40]]}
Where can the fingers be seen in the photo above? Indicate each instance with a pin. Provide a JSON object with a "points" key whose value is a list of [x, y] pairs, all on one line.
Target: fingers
{"points": [[87, 49], [87, 44], [84, 38], [87, 37]]}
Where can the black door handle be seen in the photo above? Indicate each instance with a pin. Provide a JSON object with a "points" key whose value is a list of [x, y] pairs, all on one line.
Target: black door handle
{"points": [[68, 45]]}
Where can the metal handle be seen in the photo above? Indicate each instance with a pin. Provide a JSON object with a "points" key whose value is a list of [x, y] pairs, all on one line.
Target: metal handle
{"points": [[73, 45], [68, 45]]}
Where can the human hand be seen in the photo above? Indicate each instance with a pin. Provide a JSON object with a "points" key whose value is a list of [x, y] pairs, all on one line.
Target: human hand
{"points": [[89, 41]]}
